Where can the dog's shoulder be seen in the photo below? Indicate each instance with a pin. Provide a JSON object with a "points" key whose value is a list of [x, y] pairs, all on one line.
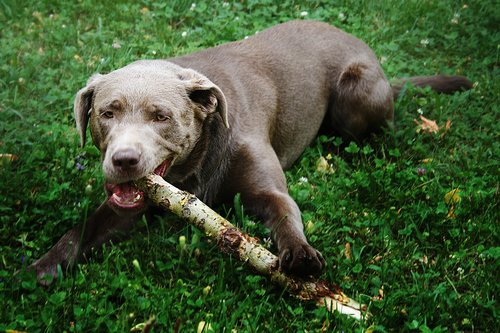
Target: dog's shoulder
{"points": [[205, 170]]}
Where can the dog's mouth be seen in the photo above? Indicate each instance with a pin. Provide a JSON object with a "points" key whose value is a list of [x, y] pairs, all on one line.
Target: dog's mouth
{"points": [[126, 196]]}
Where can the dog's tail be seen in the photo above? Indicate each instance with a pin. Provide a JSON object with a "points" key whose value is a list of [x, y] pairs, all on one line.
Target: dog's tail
{"points": [[446, 84]]}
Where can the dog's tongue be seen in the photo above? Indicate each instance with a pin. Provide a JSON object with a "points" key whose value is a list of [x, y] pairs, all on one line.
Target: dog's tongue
{"points": [[126, 195]]}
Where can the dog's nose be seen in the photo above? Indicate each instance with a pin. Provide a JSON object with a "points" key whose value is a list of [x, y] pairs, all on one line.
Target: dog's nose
{"points": [[126, 159]]}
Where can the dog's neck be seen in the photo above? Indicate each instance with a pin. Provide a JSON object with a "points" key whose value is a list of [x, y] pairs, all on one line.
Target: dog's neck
{"points": [[203, 172]]}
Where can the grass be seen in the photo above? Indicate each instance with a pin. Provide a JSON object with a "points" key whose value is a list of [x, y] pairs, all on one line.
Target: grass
{"points": [[423, 259]]}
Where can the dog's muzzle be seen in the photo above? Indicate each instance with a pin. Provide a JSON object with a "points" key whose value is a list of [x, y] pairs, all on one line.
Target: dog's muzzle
{"points": [[127, 198]]}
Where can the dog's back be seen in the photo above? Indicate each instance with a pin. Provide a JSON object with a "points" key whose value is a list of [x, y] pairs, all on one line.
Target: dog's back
{"points": [[281, 82]]}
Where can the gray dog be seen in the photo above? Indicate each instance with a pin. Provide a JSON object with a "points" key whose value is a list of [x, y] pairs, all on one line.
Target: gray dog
{"points": [[228, 120]]}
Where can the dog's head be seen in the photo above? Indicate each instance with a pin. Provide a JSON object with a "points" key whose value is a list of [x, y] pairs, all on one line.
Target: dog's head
{"points": [[144, 118]]}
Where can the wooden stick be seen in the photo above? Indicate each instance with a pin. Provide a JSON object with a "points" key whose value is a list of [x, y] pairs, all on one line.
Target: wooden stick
{"points": [[247, 249]]}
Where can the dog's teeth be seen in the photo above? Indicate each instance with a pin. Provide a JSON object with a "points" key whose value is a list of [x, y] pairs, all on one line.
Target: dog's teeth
{"points": [[137, 198], [117, 198]]}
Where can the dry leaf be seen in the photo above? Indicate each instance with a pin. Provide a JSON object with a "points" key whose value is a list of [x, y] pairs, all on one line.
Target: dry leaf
{"points": [[430, 126], [7, 158], [427, 125], [377, 258], [451, 212], [323, 166], [452, 197], [446, 128], [347, 251], [380, 295]]}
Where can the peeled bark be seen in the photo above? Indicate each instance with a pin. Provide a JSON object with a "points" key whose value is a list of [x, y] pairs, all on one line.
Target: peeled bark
{"points": [[247, 249]]}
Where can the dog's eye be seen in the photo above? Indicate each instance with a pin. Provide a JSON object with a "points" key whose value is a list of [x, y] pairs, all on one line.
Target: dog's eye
{"points": [[107, 114], [161, 117]]}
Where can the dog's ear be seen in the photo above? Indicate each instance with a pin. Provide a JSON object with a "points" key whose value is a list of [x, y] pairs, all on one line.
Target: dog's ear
{"points": [[211, 99], [205, 93], [83, 106]]}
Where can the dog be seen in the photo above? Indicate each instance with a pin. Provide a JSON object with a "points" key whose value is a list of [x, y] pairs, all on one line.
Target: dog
{"points": [[229, 120]]}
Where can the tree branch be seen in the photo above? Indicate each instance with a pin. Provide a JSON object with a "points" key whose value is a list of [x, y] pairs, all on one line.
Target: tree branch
{"points": [[247, 249]]}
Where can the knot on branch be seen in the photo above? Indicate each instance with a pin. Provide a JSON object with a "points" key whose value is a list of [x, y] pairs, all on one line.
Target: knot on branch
{"points": [[229, 241]]}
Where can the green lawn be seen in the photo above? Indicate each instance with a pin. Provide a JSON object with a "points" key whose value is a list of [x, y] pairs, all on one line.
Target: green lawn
{"points": [[423, 257]]}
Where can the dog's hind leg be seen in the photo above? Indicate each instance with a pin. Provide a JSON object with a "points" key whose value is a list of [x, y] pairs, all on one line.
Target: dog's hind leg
{"points": [[257, 175], [361, 101], [102, 226]]}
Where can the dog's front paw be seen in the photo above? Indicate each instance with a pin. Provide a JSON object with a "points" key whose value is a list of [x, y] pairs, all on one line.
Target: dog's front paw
{"points": [[45, 270], [45, 274], [301, 260]]}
